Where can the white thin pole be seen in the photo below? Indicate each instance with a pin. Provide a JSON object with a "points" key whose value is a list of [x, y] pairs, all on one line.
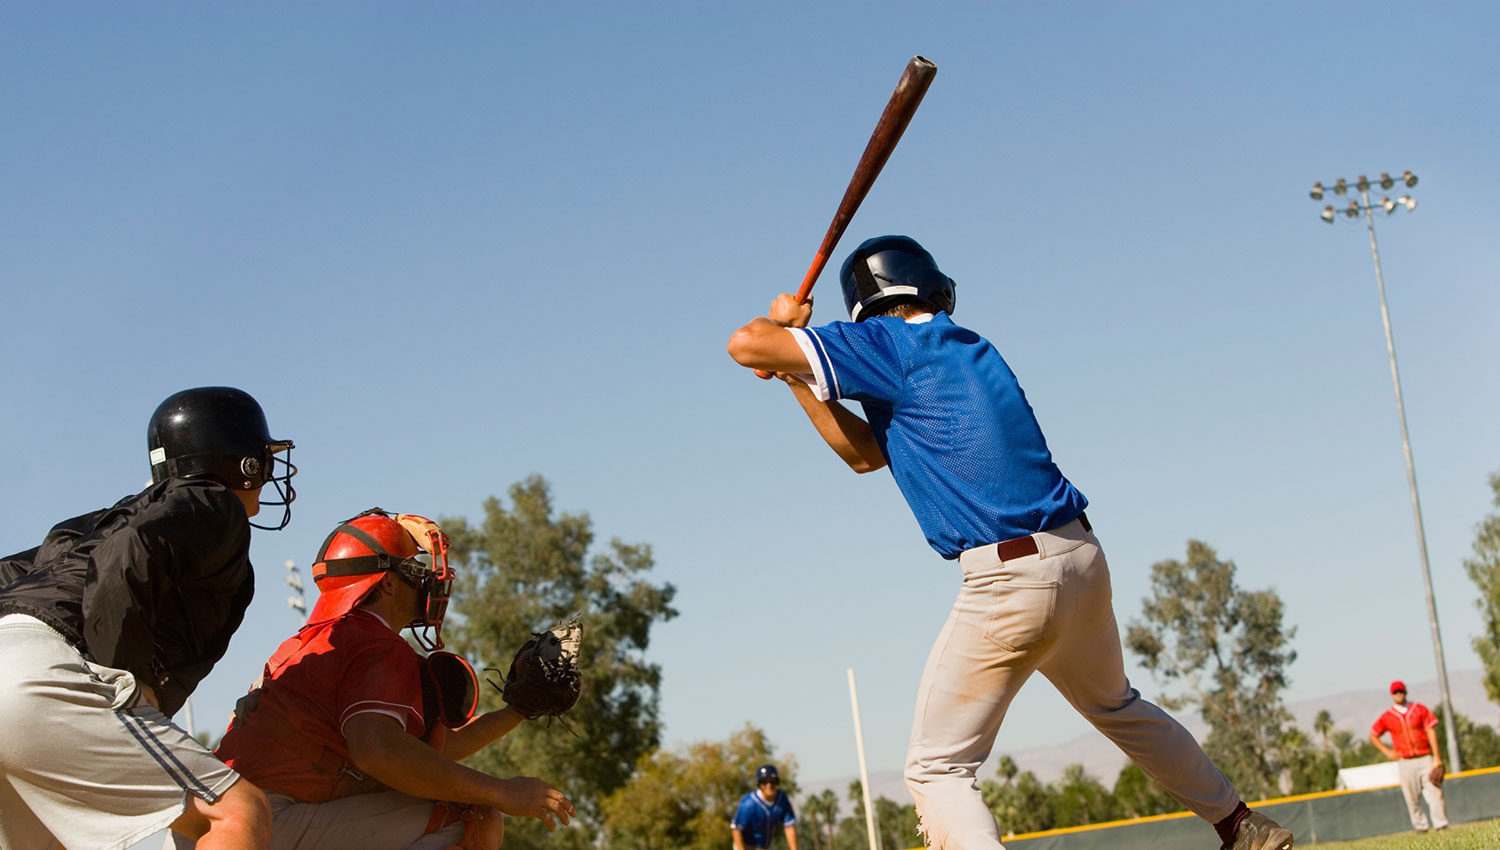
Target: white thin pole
{"points": [[1454, 765], [864, 770]]}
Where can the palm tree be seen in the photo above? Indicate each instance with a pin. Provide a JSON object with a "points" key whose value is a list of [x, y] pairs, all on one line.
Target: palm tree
{"points": [[819, 814], [1323, 725], [1343, 740], [828, 803], [1007, 768]]}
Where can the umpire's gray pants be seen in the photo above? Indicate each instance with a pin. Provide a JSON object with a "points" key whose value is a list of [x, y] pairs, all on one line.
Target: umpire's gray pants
{"points": [[1049, 612], [84, 762]]}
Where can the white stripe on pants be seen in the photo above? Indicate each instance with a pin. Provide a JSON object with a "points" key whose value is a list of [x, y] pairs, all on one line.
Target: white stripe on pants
{"points": [[83, 761], [1414, 783], [1050, 612]]}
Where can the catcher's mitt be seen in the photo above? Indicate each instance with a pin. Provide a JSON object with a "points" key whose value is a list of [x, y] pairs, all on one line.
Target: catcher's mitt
{"points": [[543, 680], [1435, 776]]}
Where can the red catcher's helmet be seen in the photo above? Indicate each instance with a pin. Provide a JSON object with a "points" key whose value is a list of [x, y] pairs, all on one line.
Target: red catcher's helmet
{"points": [[358, 554]]}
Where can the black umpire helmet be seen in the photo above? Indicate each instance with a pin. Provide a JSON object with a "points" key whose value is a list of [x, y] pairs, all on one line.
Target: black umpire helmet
{"points": [[767, 773], [220, 433], [886, 268]]}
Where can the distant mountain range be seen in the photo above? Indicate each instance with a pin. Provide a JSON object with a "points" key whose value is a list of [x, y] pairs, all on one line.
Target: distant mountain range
{"points": [[1352, 710]]}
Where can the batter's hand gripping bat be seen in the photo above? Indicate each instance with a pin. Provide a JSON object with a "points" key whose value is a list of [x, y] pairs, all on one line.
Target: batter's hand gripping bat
{"points": [[898, 112]]}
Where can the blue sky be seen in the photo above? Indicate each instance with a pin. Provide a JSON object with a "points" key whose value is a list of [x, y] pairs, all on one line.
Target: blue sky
{"points": [[451, 245]]}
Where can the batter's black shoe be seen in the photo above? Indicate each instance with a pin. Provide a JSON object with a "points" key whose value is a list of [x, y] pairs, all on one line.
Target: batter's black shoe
{"points": [[1258, 832]]}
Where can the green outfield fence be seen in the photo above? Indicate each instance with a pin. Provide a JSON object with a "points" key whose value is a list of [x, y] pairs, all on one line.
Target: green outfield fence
{"points": [[1326, 816]]}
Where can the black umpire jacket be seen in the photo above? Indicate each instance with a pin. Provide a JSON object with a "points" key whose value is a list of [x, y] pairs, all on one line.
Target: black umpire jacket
{"points": [[155, 585]]}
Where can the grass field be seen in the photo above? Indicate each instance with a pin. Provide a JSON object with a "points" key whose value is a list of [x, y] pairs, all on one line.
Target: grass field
{"points": [[1481, 835]]}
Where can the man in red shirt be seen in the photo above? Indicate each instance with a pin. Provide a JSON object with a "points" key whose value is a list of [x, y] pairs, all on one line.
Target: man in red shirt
{"points": [[353, 735], [1415, 750]]}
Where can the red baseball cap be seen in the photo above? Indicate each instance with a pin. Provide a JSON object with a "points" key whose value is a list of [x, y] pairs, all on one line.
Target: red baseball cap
{"points": [[1398, 685]]}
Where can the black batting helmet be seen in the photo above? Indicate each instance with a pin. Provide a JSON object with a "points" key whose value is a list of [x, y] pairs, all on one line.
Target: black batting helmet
{"points": [[219, 433], [767, 773], [886, 268]]}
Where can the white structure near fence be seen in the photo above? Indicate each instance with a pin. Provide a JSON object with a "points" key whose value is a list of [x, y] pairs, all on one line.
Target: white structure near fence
{"points": [[1368, 776]]}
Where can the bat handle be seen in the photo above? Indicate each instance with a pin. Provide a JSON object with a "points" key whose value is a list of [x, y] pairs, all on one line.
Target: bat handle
{"points": [[804, 292]]}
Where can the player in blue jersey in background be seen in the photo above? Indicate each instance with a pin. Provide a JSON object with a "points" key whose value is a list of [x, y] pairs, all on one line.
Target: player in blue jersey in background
{"points": [[944, 411], [762, 810]]}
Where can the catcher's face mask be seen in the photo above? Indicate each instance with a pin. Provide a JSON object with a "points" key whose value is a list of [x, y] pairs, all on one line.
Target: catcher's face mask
{"points": [[432, 577], [358, 553]]}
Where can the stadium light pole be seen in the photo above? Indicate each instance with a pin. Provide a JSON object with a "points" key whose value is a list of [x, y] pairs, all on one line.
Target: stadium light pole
{"points": [[1341, 188], [293, 580]]}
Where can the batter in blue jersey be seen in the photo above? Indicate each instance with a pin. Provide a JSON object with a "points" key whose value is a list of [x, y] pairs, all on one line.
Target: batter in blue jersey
{"points": [[944, 411], [762, 811]]}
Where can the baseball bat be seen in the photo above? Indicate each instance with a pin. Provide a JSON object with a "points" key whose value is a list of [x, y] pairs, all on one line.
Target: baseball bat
{"points": [[898, 112]]}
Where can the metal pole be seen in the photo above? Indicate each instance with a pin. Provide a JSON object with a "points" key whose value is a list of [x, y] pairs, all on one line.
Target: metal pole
{"points": [[1416, 505], [864, 771]]}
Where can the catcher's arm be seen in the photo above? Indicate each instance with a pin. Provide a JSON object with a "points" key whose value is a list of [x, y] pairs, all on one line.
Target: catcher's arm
{"points": [[486, 729], [379, 746]]}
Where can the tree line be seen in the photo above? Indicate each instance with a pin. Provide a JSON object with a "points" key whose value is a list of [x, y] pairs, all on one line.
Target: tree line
{"points": [[1212, 645]]}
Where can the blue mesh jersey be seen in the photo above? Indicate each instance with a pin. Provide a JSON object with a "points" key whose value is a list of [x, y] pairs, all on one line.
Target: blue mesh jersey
{"points": [[950, 418], [756, 819]]}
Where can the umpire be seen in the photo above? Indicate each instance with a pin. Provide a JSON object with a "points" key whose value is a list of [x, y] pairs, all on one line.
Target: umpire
{"points": [[107, 627]]}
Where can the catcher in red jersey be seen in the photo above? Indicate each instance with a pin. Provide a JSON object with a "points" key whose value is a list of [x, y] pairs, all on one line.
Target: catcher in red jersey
{"points": [[355, 736]]}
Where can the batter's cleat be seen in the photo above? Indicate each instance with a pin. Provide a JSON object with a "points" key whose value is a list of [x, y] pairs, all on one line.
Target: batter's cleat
{"points": [[1258, 832]]}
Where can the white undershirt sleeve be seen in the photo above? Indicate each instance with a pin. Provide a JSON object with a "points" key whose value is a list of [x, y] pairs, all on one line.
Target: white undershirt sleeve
{"points": [[815, 379]]}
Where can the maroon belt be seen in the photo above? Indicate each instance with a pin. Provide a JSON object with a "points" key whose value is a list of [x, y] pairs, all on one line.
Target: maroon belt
{"points": [[1023, 547]]}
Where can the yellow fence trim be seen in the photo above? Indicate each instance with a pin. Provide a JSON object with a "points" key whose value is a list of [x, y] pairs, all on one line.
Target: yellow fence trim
{"points": [[1177, 815]]}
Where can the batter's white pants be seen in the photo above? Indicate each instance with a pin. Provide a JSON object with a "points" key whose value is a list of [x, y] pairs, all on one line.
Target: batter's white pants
{"points": [[1415, 784], [1050, 612]]}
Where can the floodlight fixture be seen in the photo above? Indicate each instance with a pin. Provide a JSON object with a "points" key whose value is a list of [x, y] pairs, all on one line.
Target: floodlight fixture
{"points": [[293, 580], [1362, 186]]}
